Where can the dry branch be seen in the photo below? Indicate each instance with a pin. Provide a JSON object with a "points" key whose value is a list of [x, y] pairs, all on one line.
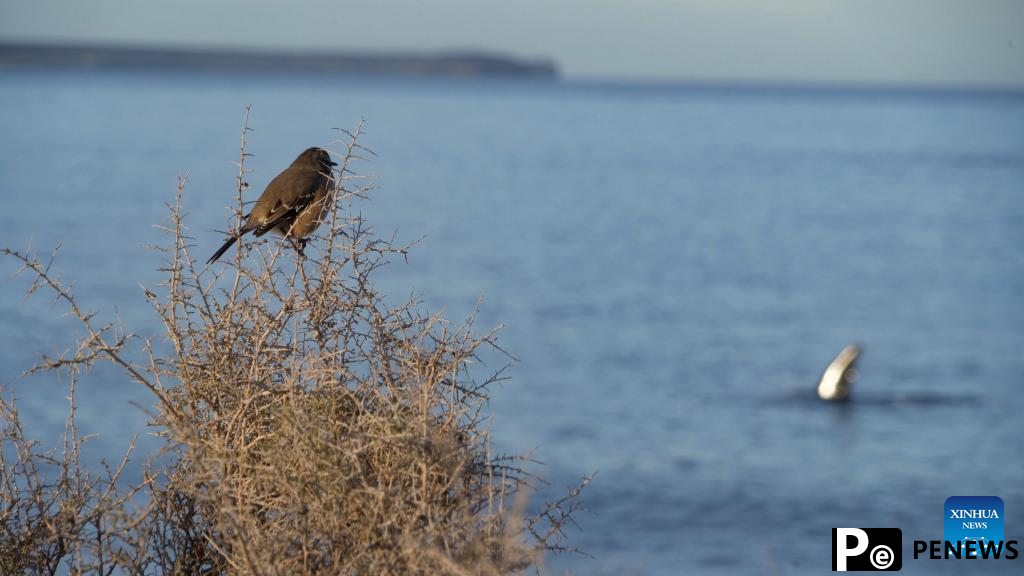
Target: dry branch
{"points": [[311, 427]]}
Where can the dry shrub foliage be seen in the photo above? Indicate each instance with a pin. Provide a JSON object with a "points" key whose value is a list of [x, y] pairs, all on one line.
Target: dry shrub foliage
{"points": [[311, 427]]}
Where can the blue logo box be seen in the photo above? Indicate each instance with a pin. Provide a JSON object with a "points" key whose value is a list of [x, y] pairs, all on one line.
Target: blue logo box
{"points": [[977, 518]]}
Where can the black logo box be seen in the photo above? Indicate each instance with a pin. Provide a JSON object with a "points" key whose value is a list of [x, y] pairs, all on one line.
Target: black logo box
{"points": [[892, 538]]}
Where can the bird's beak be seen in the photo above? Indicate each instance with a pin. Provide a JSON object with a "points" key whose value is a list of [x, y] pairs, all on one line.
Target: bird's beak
{"points": [[331, 163]]}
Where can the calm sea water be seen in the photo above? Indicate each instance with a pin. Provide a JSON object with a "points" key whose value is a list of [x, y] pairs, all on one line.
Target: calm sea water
{"points": [[675, 268]]}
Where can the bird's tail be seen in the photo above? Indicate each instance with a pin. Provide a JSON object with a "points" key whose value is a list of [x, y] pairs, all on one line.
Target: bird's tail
{"points": [[220, 251]]}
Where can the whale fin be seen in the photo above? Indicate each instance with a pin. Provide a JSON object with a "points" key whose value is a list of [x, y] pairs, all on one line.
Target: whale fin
{"points": [[835, 382]]}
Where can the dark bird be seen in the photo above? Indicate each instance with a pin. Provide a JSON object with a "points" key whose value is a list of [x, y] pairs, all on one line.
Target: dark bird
{"points": [[293, 203]]}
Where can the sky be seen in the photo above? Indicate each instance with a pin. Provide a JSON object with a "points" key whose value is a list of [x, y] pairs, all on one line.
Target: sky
{"points": [[950, 42]]}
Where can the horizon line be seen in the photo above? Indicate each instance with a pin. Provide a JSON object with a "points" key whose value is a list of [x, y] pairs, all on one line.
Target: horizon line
{"points": [[730, 83]]}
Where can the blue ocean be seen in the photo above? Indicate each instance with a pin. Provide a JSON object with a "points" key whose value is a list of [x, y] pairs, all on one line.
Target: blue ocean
{"points": [[674, 267]]}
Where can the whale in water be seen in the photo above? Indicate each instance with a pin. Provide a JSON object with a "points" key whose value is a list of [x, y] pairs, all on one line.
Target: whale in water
{"points": [[835, 382]]}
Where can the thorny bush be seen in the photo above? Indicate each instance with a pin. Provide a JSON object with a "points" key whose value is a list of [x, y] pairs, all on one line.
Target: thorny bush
{"points": [[311, 428]]}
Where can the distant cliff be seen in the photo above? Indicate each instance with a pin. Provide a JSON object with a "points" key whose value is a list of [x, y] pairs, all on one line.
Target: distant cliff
{"points": [[468, 64]]}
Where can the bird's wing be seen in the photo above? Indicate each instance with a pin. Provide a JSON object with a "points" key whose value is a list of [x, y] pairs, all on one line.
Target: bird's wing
{"points": [[286, 196], [279, 217]]}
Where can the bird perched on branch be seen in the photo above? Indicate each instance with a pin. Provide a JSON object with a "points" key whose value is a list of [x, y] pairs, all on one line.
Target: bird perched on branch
{"points": [[293, 203]]}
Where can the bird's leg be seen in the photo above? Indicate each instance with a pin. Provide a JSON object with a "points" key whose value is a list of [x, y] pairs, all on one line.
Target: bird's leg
{"points": [[297, 244], [300, 246]]}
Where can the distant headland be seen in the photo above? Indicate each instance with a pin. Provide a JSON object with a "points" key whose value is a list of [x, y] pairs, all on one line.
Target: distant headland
{"points": [[444, 64]]}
